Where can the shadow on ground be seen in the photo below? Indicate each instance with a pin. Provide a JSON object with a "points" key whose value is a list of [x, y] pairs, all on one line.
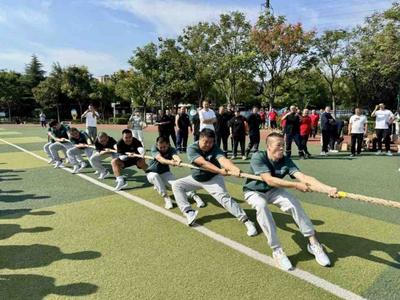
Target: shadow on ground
{"points": [[36, 287], [15, 257]]}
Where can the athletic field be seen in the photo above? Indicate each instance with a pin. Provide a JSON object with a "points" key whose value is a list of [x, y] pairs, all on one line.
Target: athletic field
{"points": [[65, 235]]}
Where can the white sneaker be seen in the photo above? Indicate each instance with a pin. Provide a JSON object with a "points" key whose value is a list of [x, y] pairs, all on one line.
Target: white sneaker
{"points": [[379, 152], [168, 203], [281, 260], [323, 153], [251, 229], [51, 161], [244, 157], [75, 170], [191, 217], [389, 153], [199, 202], [233, 157], [104, 175], [318, 252], [333, 151], [82, 166], [96, 172], [120, 185], [58, 164]]}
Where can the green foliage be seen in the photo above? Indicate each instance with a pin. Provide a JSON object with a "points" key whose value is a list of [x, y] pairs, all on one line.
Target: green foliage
{"points": [[279, 47], [11, 90]]}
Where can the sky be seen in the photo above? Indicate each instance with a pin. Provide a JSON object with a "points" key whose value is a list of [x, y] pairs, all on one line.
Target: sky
{"points": [[102, 34]]}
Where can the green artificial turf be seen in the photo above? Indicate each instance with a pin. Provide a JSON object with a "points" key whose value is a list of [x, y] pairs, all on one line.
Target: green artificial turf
{"points": [[137, 253]]}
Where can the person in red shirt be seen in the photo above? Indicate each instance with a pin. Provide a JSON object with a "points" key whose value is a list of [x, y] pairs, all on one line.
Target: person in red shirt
{"points": [[314, 123], [272, 118], [283, 121], [305, 130], [263, 116]]}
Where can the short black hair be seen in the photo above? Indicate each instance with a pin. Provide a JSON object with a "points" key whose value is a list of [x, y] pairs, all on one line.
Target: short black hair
{"points": [[53, 123], [162, 139], [73, 129], [126, 131], [208, 133], [274, 134]]}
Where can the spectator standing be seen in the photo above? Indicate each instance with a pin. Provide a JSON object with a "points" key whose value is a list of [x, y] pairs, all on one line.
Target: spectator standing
{"points": [[183, 125], [42, 119], [263, 117], [207, 117], [314, 123], [254, 121], [136, 124], [328, 128], [272, 116], [384, 118], [305, 131], [238, 133], [161, 122], [358, 128], [222, 129], [91, 116], [170, 126], [292, 131]]}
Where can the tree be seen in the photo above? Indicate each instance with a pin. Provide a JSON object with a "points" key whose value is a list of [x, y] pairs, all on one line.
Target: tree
{"points": [[10, 90], [175, 82], [142, 83], [198, 42], [76, 84], [49, 93], [280, 46], [331, 53], [373, 59], [233, 58], [34, 72]]}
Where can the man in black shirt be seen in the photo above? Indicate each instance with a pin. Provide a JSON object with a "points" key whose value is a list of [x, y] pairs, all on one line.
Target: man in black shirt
{"points": [[230, 114], [170, 126], [162, 122], [292, 131], [183, 124], [104, 145], [254, 121], [196, 124], [126, 148], [222, 129], [81, 142], [238, 132], [328, 129]]}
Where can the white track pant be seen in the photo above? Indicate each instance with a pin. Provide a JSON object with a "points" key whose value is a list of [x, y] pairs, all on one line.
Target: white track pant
{"points": [[138, 134], [95, 160], [215, 187], [57, 146], [287, 203], [162, 181], [75, 154]]}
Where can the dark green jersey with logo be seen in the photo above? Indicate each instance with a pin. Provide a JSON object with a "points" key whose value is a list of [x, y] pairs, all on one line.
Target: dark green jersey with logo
{"points": [[211, 156], [155, 165], [260, 163]]}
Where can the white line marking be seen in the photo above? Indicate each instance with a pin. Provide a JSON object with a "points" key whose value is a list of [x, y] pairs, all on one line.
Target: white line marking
{"points": [[265, 259]]}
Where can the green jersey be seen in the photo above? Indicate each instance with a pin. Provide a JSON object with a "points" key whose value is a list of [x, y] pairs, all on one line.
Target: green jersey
{"points": [[59, 133], [260, 163], [155, 165], [194, 151]]}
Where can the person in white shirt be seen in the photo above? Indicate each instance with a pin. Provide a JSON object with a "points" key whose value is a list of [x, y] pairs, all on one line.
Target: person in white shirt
{"points": [[358, 128], [384, 118], [91, 116], [136, 124], [42, 118], [207, 117]]}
